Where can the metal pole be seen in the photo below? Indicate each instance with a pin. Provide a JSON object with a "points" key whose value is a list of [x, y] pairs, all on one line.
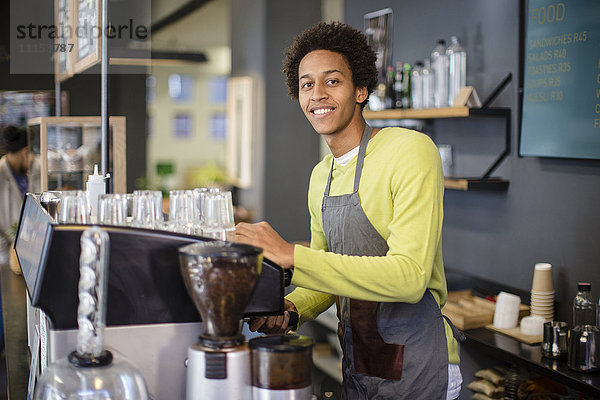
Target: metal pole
{"points": [[58, 113], [104, 89], [57, 97]]}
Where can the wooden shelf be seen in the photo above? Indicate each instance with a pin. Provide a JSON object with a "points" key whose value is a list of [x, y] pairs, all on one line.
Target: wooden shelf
{"points": [[511, 350], [424, 113], [484, 182], [467, 184]]}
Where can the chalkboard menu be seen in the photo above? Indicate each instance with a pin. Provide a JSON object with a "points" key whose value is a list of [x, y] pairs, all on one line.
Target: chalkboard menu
{"points": [[561, 100]]}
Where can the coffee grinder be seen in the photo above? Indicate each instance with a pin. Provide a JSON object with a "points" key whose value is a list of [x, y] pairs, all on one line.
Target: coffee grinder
{"points": [[281, 367], [220, 277]]}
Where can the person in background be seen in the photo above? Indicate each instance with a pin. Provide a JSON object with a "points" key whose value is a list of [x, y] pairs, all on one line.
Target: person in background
{"points": [[18, 172], [376, 207], [13, 186]]}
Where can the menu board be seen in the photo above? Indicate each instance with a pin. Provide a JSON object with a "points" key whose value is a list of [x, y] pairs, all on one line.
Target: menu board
{"points": [[561, 100]]}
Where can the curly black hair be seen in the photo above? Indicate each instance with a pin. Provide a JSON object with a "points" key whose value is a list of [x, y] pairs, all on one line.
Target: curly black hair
{"points": [[339, 38]]}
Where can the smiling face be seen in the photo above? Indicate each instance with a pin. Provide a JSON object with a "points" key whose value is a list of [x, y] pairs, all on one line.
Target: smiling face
{"points": [[327, 94]]}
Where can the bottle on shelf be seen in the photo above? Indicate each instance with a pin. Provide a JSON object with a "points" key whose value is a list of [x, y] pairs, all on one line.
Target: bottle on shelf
{"points": [[390, 93], [457, 72], [402, 84], [439, 64], [377, 98], [598, 314], [399, 84], [584, 312], [406, 84], [417, 86], [427, 79]]}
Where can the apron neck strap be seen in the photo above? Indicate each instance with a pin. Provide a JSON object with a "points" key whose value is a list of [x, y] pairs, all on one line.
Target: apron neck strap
{"points": [[366, 135]]}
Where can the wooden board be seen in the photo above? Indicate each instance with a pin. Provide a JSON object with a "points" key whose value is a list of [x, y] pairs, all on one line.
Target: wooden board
{"points": [[516, 334], [469, 312]]}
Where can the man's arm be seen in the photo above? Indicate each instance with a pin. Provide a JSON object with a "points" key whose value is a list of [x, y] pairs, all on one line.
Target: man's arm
{"points": [[414, 224]]}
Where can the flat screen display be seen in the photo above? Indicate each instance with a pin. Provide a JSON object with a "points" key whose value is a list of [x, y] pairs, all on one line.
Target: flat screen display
{"points": [[30, 243], [561, 100]]}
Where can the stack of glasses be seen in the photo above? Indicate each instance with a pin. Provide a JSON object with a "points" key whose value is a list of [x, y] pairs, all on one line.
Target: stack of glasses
{"points": [[506, 313], [542, 292], [204, 212]]}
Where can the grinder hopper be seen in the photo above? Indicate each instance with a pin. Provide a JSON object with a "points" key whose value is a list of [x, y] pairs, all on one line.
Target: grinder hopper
{"points": [[220, 277]]}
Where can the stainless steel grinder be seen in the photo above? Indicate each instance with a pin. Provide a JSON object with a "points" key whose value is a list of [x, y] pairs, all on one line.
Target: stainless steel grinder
{"points": [[281, 367], [220, 277]]}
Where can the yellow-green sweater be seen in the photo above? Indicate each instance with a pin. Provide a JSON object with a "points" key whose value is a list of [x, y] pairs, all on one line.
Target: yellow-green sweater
{"points": [[401, 191]]}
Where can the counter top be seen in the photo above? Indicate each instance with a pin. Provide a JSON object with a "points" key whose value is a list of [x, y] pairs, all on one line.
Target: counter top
{"points": [[530, 357], [14, 310]]}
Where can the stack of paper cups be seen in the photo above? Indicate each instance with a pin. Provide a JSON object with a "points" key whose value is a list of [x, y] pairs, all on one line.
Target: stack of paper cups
{"points": [[542, 292], [506, 315]]}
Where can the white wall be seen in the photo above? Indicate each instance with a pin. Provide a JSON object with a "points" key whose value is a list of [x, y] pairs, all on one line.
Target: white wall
{"points": [[206, 30], [200, 148]]}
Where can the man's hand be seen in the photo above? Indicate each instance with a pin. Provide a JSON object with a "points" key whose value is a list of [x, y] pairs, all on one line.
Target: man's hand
{"points": [[277, 324], [264, 236]]}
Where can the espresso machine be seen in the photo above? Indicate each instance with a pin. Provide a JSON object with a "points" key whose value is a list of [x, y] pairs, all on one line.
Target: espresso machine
{"points": [[92, 371], [150, 318]]}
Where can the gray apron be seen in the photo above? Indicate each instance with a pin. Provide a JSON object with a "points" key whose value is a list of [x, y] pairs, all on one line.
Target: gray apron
{"points": [[391, 350]]}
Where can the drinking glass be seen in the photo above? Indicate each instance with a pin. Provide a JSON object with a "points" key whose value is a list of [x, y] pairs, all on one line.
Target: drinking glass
{"points": [[50, 201], [112, 209], [227, 220], [184, 216], [130, 197], [217, 215], [200, 196], [74, 208], [147, 209]]}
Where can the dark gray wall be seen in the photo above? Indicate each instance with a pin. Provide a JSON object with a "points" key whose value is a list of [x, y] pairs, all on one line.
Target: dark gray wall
{"points": [[248, 44], [84, 94], [550, 212], [291, 147]]}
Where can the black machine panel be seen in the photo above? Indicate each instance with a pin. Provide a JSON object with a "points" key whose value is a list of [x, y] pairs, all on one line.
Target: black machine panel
{"points": [[31, 240], [145, 285]]}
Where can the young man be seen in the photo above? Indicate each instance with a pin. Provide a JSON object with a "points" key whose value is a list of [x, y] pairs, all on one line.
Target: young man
{"points": [[376, 223]]}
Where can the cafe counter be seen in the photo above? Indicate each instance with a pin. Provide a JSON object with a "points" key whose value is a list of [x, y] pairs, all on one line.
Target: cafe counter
{"points": [[507, 349], [480, 340]]}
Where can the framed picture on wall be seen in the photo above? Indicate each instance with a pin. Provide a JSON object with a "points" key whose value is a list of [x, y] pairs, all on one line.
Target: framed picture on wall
{"points": [[87, 15], [239, 131], [378, 28], [65, 42]]}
